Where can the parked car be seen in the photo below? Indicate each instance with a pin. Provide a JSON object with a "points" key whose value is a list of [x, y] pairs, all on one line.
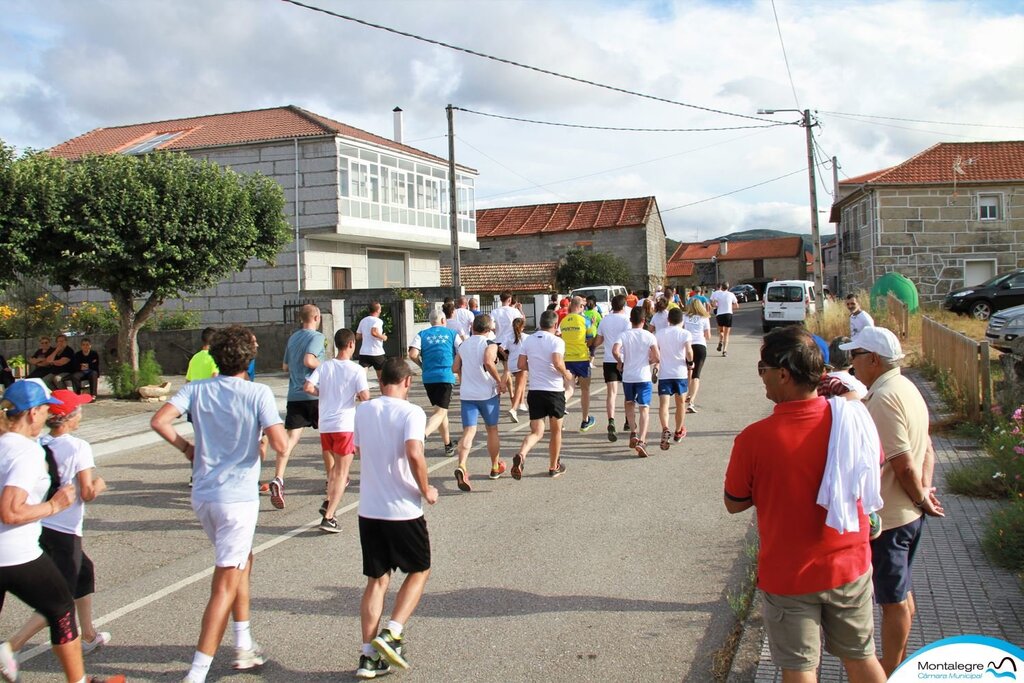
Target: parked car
{"points": [[745, 293], [787, 302], [603, 294], [1004, 327], [981, 301]]}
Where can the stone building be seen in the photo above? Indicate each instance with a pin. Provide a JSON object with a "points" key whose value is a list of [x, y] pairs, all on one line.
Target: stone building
{"points": [[370, 212], [754, 262], [949, 217], [628, 228]]}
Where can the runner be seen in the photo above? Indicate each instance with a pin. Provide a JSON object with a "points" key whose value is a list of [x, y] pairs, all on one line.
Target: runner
{"points": [[201, 365], [433, 349], [724, 302], [518, 377], [593, 315], [577, 356], [608, 332], [542, 356], [392, 530], [659, 320], [370, 334], [462, 319], [228, 412], [697, 324], [634, 352], [302, 355], [675, 347], [480, 395], [338, 383], [503, 316]]}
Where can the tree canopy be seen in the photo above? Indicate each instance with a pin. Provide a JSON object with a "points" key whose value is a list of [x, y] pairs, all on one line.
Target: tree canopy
{"points": [[580, 268]]}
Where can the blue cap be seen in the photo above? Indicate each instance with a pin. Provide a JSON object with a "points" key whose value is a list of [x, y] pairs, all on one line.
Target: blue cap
{"points": [[24, 395]]}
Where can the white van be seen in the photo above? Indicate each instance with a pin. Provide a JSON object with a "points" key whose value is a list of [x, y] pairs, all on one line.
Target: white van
{"points": [[787, 302], [603, 294]]}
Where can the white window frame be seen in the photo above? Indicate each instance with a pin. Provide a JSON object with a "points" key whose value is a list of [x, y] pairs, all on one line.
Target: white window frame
{"points": [[997, 203], [995, 268]]}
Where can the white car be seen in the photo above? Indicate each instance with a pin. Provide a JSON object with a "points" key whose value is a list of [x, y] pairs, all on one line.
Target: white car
{"points": [[1004, 327], [602, 293], [787, 302]]}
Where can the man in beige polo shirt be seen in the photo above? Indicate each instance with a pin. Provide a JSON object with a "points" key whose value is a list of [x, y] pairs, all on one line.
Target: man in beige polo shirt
{"points": [[901, 416]]}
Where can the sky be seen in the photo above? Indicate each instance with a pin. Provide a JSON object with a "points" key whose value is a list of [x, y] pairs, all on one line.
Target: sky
{"points": [[884, 81]]}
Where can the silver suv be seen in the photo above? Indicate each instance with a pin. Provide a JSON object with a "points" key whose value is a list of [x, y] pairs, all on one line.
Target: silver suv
{"points": [[1006, 329]]}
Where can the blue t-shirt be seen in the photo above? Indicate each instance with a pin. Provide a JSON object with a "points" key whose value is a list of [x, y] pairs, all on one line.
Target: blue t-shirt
{"points": [[228, 414], [299, 344], [437, 348]]}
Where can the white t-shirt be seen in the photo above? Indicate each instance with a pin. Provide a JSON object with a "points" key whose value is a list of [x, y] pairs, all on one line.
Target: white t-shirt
{"points": [[371, 346], [22, 465], [387, 489], [503, 317], [538, 348], [514, 351], [464, 322], [672, 343], [695, 325], [859, 321], [228, 414], [338, 381], [725, 300], [610, 329], [73, 455], [850, 382], [659, 320], [636, 365], [477, 383]]}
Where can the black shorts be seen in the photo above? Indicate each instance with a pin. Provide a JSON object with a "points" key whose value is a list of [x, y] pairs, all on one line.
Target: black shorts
{"points": [[724, 320], [39, 585], [612, 373], [375, 362], [544, 404], [299, 414], [74, 565], [439, 394], [892, 556], [700, 354], [389, 545]]}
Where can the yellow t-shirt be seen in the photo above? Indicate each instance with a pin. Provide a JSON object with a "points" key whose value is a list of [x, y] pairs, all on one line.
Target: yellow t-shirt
{"points": [[574, 334]]}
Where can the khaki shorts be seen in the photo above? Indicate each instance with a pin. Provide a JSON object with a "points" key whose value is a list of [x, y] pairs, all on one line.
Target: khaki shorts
{"points": [[792, 623]]}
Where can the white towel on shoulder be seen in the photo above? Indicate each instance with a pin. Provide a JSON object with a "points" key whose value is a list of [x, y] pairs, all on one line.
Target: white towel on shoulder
{"points": [[852, 468]]}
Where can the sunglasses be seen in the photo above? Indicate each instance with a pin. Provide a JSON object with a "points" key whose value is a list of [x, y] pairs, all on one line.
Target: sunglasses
{"points": [[854, 354], [763, 367]]}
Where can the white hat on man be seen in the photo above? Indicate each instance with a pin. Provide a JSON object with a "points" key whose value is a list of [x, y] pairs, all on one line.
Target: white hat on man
{"points": [[876, 340]]}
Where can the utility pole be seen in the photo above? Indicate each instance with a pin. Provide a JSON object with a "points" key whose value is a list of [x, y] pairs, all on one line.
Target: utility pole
{"points": [[839, 237], [453, 207]]}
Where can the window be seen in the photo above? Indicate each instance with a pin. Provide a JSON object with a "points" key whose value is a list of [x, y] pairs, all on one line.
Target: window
{"points": [[341, 278], [360, 180], [988, 207], [385, 269]]}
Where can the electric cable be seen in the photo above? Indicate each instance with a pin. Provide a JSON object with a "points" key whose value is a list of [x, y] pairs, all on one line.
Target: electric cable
{"points": [[534, 183], [785, 57], [726, 194], [613, 128], [941, 123]]}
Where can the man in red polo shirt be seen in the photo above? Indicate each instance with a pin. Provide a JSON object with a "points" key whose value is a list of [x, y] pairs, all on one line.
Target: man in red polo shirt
{"points": [[811, 576]]}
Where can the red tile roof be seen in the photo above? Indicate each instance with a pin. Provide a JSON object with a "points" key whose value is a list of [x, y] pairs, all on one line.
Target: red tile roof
{"points": [[541, 218], [679, 268], [494, 277], [744, 250], [235, 128], [980, 162]]}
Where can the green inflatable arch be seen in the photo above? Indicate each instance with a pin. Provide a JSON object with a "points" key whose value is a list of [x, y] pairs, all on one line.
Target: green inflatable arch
{"points": [[901, 287]]}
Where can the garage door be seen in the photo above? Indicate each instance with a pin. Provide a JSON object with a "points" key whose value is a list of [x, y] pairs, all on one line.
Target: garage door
{"points": [[976, 272]]}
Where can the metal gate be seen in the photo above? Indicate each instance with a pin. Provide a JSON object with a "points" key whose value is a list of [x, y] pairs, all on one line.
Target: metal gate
{"points": [[395, 324]]}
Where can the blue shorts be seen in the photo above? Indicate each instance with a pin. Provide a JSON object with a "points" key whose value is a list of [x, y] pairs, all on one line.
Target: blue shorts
{"points": [[638, 393], [673, 387], [892, 554], [578, 368], [490, 410]]}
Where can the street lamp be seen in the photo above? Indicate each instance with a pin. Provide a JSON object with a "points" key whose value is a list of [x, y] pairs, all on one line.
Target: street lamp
{"points": [[806, 123]]}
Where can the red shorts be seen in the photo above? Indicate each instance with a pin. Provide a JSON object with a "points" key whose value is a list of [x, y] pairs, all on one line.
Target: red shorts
{"points": [[339, 443]]}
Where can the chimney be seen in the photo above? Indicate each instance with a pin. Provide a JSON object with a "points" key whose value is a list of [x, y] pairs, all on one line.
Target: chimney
{"points": [[399, 132], [723, 246]]}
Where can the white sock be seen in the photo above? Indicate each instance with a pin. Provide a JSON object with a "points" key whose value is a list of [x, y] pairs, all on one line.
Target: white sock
{"points": [[200, 667], [368, 650], [243, 635], [395, 628]]}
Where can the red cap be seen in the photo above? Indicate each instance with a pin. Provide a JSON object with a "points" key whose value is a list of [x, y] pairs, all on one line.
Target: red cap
{"points": [[69, 401], [564, 303]]}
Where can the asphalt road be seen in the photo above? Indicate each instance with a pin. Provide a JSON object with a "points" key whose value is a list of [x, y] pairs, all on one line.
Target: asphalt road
{"points": [[616, 571]]}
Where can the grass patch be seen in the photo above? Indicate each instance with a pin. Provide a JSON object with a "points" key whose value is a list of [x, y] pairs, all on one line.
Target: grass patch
{"points": [[1004, 538], [740, 604]]}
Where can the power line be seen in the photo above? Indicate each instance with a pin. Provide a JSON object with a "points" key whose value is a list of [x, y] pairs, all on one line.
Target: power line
{"points": [[614, 128], [940, 123], [726, 194], [534, 183], [915, 130], [510, 62], [785, 57]]}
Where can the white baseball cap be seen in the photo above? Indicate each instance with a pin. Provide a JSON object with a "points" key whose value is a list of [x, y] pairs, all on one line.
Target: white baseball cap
{"points": [[876, 340]]}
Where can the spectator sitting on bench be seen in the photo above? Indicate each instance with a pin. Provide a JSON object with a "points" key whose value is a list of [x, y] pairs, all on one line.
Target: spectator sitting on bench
{"points": [[39, 361], [87, 367]]}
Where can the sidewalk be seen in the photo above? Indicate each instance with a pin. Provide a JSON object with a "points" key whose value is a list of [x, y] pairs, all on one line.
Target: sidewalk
{"points": [[958, 591]]}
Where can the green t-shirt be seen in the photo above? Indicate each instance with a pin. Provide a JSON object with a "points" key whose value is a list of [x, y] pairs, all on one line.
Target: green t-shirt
{"points": [[201, 366], [593, 317], [574, 334]]}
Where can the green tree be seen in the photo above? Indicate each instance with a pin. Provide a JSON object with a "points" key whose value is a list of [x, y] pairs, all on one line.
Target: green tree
{"points": [[30, 197], [580, 268], [152, 227]]}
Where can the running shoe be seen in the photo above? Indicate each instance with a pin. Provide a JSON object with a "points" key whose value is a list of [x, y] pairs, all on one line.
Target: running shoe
{"points": [[323, 508], [119, 678], [724, 354], [8, 663], [90, 646], [665, 436], [719, 346], [517, 467], [449, 449], [678, 436], [513, 415], [633, 439], [462, 479], [390, 648], [497, 471], [641, 449], [277, 493], [370, 667], [626, 427], [248, 659], [612, 436], [190, 481], [265, 488], [558, 471], [690, 408], [330, 525], [588, 424]]}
